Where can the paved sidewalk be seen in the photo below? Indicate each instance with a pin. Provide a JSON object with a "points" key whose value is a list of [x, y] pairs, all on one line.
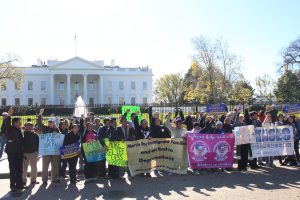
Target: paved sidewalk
{"points": [[278, 183]]}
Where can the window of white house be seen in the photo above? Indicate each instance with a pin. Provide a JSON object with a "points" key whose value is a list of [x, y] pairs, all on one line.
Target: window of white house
{"points": [[132, 85], [3, 102], [43, 101], [17, 101], [61, 86], [145, 100], [61, 101], [30, 101], [108, 86], [121, 100], [76, 86], [91, 101], [3, 87], [121, 85], [132, 100], [109, 100], [145, 86], [91, 86], [30, 85], [43, 85]]}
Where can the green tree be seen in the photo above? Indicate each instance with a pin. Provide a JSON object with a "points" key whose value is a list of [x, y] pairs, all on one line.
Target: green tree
{"points": [[169, 89], [288, 87], [242, 92]]}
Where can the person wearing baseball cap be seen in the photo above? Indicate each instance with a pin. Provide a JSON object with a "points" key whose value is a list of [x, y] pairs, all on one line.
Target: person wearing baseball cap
{"points": [[47, 159]]}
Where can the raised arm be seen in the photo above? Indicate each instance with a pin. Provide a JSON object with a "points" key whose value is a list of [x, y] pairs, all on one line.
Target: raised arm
{"points": [[40, 120]]}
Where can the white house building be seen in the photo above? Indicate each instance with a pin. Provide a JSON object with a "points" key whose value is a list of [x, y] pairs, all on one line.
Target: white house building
{"points": [[61, 82]]}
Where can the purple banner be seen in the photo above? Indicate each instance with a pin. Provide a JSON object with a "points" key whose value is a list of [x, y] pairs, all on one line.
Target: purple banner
{"points": [[210, 150]]}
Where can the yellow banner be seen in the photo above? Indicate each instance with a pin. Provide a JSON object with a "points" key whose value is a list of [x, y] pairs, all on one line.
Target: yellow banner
{"points": [[147, 155]]}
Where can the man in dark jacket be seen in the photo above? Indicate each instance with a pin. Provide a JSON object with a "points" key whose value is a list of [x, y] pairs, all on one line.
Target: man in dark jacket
{"points": [[251, 118], [15, 151], [157, 130], [31, 147]]}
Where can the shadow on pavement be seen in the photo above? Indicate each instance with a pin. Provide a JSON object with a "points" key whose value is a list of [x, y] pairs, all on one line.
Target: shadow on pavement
{"points": [[144, 188]]}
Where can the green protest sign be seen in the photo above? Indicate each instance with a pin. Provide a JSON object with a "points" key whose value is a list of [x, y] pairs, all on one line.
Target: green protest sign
{"points": [[116, 154], [133, 109]]}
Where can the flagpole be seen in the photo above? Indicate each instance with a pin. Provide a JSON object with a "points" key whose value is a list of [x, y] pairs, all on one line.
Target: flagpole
{"points": [[75, 40]]}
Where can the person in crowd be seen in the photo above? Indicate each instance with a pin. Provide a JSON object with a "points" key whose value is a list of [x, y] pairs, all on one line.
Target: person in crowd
{"points": [[55, 119], [124, 132], [3, 133], [70, 138], [261, 116], [221, 118], [280, 122], [49, 159], [15, 151], [242, 150], [90, 168], [296, 145], [142, 132], [209, 125], [196, 128], [293, 159], [268, 124], [273, 112], [219, 128], [157, 130], [228, 128], [113, 122], [251, 118], [96, 124], [177, 131], [31, 147], [64, 129], [200, 118], [188, 120], [104, 133]]}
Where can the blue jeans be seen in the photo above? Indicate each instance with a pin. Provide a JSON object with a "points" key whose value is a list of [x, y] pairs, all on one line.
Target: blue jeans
{"points": [[3, 141]]}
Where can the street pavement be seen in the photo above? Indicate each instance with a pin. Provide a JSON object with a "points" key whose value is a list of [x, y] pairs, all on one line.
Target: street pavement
{"points": [[267, 183]]}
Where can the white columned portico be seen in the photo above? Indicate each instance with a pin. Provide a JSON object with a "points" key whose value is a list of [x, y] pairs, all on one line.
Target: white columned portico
{"points": [[51, 89], [68, 89], [85, 88]]}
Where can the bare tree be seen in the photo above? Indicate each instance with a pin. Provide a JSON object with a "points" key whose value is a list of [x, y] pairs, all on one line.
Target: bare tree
{"points": [[291, 55], [10, 72], [265, 86]]}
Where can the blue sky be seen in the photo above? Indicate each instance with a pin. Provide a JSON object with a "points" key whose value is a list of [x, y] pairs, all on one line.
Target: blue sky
{"points": [[157, 33]]}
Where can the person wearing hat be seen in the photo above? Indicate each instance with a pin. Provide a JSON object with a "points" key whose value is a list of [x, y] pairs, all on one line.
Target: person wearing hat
{"points": [[47, 159], [219, 128], [31, 146], [177, 131]]}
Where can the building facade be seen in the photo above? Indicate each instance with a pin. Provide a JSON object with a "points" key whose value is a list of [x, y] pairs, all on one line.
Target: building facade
{"points": [[61, 82]]}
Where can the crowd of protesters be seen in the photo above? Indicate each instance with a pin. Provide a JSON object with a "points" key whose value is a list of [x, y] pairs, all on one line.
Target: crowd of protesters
{"points": [[22, 142]]}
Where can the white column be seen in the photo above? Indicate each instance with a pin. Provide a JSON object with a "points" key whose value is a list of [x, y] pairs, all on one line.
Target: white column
{"points": [[51, 89], [101, 86], [68, 89], [99, 90], [85, 88]]}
